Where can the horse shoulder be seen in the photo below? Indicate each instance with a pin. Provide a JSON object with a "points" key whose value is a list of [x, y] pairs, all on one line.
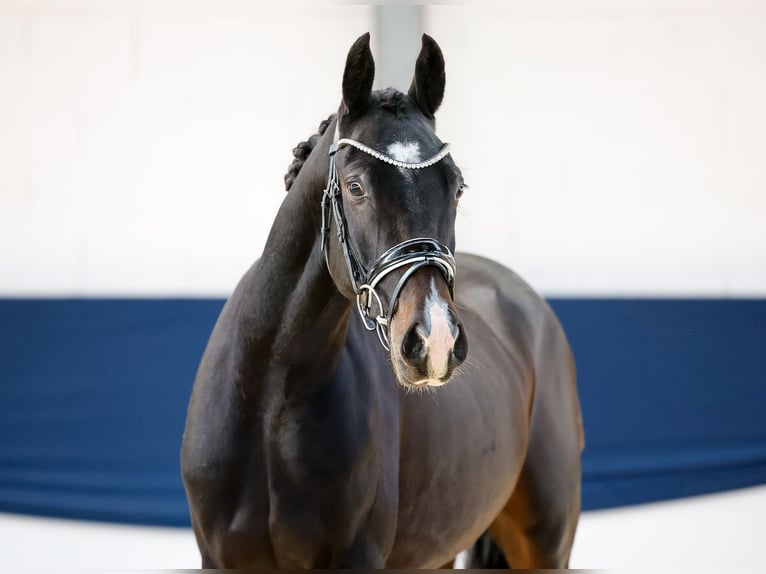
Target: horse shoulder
{"points": [[506, 301], [536, 328], [222, 370], [516, 313], [221, 454]]}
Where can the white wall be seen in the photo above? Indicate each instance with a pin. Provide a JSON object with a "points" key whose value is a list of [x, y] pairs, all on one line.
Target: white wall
{"points": [[612, 147], [142, 145]]}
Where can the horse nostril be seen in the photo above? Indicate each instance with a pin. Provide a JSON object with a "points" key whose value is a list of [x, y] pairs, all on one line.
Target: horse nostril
{"points": [[460, 348], [413, 345]]}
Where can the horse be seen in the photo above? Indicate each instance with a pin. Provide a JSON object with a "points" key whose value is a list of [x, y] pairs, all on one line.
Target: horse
{"points": [[321, 431]]}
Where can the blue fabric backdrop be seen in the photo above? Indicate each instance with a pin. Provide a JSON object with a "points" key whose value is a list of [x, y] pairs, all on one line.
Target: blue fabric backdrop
{"points": [[93, 397]]}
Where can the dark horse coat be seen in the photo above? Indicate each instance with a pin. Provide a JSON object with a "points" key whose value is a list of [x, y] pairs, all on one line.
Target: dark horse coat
{"points": [[307, 445]]}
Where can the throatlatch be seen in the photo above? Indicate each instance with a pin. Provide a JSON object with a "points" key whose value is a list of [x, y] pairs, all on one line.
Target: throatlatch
{"points": [[415, 253]]}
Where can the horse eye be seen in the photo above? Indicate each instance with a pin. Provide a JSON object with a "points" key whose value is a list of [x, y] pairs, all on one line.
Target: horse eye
{"points": [[460, 190], [355, 189]]}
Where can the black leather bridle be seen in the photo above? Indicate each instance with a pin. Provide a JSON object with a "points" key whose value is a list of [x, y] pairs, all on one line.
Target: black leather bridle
{"points": [[412, 253]]}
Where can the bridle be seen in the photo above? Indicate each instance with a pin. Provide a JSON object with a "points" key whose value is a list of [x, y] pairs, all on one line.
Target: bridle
{"points": [[415, 253]]}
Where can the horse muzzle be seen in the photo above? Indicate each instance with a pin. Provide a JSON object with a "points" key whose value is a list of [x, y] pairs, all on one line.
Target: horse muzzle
{"points": [[428, 341]]}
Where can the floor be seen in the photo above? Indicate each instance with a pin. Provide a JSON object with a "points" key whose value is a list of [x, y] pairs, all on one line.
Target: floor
{"points": [[717, 531]]}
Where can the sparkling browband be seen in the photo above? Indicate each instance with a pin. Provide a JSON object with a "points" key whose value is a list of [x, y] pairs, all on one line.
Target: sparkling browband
{"points": [[395, 162]]}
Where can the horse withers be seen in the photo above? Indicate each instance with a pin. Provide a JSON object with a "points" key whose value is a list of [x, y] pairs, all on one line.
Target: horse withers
{"points": [[320, 431]]}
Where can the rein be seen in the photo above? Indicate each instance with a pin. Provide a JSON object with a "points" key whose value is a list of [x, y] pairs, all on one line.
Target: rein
{"points": [[415, 253]]}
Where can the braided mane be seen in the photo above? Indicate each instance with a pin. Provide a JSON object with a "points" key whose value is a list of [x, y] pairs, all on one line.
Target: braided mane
{"points": [[302, 151]]}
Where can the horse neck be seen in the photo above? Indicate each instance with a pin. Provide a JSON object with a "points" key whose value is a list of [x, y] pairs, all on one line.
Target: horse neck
{"points": [[297, 317]]}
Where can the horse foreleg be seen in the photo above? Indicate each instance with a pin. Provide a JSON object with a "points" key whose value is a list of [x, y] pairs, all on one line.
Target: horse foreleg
{"points": [[365, 552], [207, 561]]}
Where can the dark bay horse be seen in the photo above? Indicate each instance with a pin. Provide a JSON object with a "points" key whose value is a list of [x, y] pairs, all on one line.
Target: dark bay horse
{"points": [[313, 443]]}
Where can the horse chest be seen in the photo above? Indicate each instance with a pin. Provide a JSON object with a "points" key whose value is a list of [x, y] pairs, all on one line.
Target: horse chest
{"points": [[461, 454], [327, 483]]}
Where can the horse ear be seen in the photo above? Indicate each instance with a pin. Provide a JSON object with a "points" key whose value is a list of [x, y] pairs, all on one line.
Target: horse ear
{"points": [[427, 87], [358, 76]]}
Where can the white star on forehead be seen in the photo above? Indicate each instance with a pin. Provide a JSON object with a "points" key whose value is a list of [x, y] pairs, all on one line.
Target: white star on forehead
{"points": [[408, 152]]}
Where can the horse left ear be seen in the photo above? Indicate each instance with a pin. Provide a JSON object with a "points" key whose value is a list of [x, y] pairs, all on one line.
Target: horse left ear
{"points": [[358, 76], [427, 87]]}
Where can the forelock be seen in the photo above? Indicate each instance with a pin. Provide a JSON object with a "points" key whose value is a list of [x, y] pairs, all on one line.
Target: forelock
{"points": [[391, 100]]}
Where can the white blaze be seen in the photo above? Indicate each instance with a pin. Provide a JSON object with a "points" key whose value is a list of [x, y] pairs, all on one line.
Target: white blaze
{"points": [[408, 152], [440, 339]]}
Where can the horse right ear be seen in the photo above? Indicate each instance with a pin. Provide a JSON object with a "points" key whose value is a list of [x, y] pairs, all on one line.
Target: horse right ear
{"points": [[358, 76]]}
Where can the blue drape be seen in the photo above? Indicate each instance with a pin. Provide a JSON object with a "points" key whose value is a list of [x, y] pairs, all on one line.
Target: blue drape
{"points": [[93, 397]]}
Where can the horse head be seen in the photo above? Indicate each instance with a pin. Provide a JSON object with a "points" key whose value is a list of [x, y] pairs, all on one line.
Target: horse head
{"points": [[392, 196]]}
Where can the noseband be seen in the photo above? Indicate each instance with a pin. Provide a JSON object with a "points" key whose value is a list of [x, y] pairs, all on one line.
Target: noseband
{"points": [[415, 253]]}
